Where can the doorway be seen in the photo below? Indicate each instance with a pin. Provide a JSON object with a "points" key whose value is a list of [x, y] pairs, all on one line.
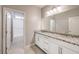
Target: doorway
{"points": [[13, 36]]}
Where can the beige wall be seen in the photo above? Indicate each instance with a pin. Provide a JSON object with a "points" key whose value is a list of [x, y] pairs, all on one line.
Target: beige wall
{"points": [[32, 20], [0, 29]]}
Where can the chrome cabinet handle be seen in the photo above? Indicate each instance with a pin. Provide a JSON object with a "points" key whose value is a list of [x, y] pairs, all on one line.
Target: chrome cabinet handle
{"points": [[59, 50], [38, 39]]}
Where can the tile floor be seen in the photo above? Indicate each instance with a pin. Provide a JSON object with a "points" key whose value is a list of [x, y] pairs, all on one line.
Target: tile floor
{"points": [[17, 47], [33, 50]]}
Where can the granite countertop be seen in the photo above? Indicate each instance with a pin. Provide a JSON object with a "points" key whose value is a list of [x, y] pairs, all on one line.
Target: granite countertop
{"points": [[63, 37]]}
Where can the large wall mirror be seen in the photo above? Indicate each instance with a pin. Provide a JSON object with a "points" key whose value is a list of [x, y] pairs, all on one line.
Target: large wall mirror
{"points": [[64, 22]]}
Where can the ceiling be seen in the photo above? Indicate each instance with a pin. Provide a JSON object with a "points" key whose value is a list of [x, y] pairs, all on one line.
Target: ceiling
{"points": [[40, 6]]}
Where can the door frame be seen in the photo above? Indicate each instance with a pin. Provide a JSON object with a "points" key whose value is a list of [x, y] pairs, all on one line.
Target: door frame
{"points": [[4, 43]]}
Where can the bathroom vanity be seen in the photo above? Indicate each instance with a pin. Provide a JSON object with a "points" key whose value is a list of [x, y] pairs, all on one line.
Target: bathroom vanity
{"points": [[54, 43], [61, 31]]}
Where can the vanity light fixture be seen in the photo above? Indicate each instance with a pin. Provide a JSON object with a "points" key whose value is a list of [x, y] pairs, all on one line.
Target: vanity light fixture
{"points": [[54, 11], [51, 11], [48, 13], [59, 9]]}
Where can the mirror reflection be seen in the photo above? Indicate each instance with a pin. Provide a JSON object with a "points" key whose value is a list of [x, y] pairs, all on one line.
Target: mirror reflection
{"points": [[61, 19]]}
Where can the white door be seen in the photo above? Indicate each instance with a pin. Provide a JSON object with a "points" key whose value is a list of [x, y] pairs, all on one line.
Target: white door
{"points": [[9, 30], [8, 25], [6, 30]]}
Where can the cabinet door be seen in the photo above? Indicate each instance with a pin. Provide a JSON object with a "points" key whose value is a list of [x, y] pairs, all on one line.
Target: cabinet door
{"points": [[38, 40], [53, 49], [42, 42], [68, 51]]}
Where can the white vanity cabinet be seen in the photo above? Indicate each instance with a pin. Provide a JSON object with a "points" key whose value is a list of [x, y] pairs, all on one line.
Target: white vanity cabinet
{"points": [[46, 44], [68, 48], [52, 45]]}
